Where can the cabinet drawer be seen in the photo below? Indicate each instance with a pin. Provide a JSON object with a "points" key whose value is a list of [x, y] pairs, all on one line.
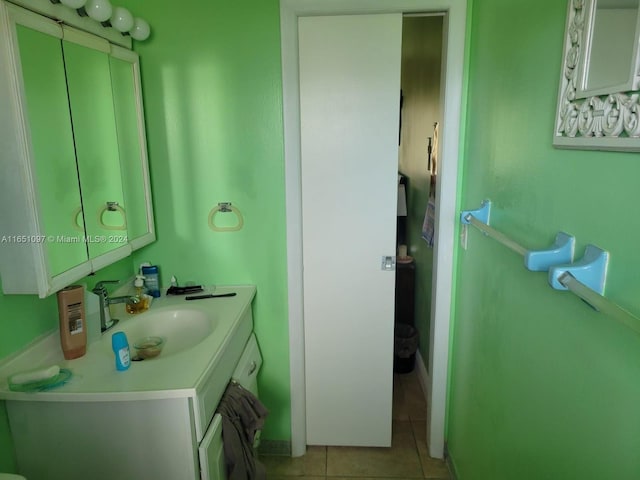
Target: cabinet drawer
{"points": [[246, 372]]}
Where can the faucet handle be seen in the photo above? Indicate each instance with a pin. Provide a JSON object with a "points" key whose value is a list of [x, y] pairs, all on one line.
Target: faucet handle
{"points": [[101, 289]]}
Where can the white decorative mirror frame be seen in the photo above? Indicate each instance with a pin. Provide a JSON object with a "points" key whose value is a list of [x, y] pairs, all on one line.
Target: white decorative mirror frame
{"points": [[600, 118]]}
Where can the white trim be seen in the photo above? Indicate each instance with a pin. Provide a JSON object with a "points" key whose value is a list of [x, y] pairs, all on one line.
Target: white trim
{"points": [[455, 27], [423, 376], [34, 21], [79, 37], [445, 225], [290, 90], [110, 257]]}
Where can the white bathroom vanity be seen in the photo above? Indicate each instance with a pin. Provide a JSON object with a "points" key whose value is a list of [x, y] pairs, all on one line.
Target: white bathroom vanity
{"points": [[154, 421]]}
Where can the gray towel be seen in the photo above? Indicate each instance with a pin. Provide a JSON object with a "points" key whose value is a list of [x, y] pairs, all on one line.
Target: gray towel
{"points": [[242, 416]]}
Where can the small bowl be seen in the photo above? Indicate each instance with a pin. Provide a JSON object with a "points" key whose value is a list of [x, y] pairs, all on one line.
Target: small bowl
{"points": [[149, 347]]}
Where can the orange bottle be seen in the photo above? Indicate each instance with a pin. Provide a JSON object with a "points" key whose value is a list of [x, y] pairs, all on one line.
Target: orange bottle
{"points": [[73, 326]]}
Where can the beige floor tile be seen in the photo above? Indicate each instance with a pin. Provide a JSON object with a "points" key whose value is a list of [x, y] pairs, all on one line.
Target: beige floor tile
{"points": [[313, 463], [401, 460], [410, 381], [399, 411], [295, 477], [414, 402], [413, 388], [408, 398], [416, 408], [374, 478], [432, 468], [402, 435]]}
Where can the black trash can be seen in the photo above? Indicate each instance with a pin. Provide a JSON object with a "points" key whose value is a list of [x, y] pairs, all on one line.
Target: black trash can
{"points": [[405, 345]]}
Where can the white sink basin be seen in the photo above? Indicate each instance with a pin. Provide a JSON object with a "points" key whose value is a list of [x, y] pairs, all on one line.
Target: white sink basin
{"points": [[181, 327], [204, 339]]}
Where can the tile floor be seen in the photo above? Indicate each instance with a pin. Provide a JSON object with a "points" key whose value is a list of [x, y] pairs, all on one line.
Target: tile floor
{"points": [[406, 459]]}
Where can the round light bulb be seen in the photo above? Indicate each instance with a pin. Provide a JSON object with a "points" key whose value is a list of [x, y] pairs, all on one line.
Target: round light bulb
{"points": [[140, 30], [121, 19], [75, 4], [99, 10]]}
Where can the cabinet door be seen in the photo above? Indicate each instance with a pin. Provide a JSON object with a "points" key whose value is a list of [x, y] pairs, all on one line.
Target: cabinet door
{"points": [[53, 149], [120, 440], [94, 127], [211, 452], [127, 101]]}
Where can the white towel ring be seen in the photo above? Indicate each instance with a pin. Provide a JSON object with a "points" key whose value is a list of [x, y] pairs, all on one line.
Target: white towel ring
{"points": [[224, 208]]}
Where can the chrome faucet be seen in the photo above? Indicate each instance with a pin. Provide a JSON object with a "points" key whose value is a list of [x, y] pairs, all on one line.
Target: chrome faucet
{"points": [[106, 322]]}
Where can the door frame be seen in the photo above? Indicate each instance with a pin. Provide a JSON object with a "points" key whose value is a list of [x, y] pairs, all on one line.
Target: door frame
{"points": [[446, 214]]}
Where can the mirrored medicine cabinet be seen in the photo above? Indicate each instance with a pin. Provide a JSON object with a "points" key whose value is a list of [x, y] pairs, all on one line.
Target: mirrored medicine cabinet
{"points": [[74, 192]]}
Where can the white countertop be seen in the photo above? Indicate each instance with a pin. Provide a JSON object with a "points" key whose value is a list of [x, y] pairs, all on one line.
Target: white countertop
{"points": [[95, 377]]}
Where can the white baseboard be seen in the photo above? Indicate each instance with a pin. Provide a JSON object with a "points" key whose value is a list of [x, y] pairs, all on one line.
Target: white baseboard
{"points": [[423, 375]]}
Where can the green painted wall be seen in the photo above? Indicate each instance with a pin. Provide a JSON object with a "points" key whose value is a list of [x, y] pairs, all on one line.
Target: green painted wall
{"points": [[213, 101], [23, 318], [7, 458], [542, 386]]}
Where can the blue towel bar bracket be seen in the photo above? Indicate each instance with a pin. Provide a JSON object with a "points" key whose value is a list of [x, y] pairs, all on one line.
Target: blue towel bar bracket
{"points": [[561, 252], [590, 270], [482, 214]]}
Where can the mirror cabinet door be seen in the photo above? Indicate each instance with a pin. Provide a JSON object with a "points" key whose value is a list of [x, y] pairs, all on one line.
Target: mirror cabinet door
{"points": [[125, 81], [52, 148], [96, 141]]}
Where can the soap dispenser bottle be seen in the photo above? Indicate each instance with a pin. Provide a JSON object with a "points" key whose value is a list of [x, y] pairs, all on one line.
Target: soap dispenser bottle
{"points": [[138, 302], [139, 284]]}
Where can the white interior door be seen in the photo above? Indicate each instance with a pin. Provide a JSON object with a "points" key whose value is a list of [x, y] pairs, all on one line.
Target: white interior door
{"points": [[349, 107]]}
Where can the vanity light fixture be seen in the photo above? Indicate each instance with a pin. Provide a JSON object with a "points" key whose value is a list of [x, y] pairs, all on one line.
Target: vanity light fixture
{"points": [[74, 4], [121, 19], [103, 12], [99, 10], [140, 30]]}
